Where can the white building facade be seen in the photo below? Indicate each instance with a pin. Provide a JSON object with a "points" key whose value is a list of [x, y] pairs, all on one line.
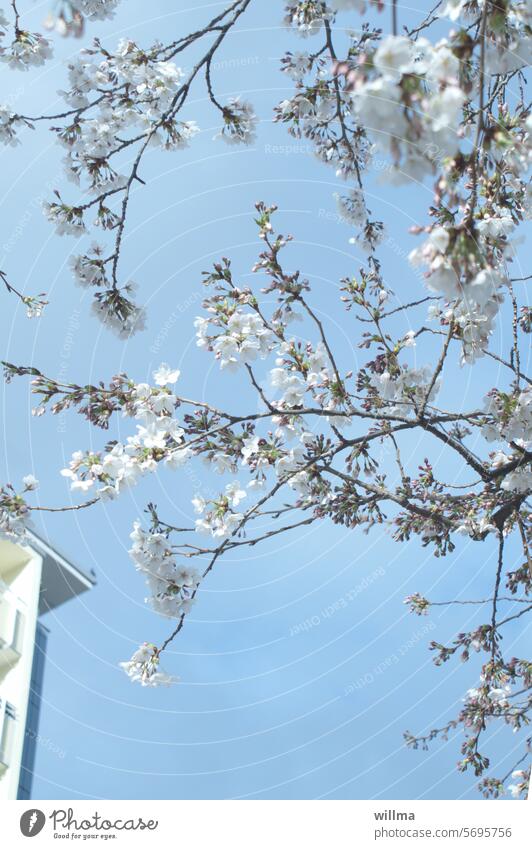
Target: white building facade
{"points": [[34, 579]]}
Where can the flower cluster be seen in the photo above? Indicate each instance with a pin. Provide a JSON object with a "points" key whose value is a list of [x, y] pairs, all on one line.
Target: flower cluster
{"points": [[473, 291], [158, 437], [27, 50], [96, 10], [352, 206], [137, 90], [484, 702], [306, 16], [8, 126], [218, 518], [243, 338], [14, 511], [116, 310], [522, 779], [144, 667], [410, 100], [510, 417], [406, 390], [89, 269], [240, 122], [172, 587], [301, 369]]}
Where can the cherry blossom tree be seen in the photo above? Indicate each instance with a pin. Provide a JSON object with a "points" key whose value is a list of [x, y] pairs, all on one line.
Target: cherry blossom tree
{"points": [[449, 110]]}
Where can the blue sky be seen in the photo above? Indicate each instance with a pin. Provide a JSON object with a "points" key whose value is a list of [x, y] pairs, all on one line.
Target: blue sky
{"points": [[266, 708]]}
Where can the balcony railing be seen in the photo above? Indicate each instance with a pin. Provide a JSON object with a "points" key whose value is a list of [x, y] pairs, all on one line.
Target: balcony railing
{"points": [[11, 632], [8, 721]]}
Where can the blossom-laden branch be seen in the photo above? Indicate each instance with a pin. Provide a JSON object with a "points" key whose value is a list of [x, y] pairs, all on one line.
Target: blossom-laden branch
{"points": [[326, 443], [330, 472], [119, 105]]}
